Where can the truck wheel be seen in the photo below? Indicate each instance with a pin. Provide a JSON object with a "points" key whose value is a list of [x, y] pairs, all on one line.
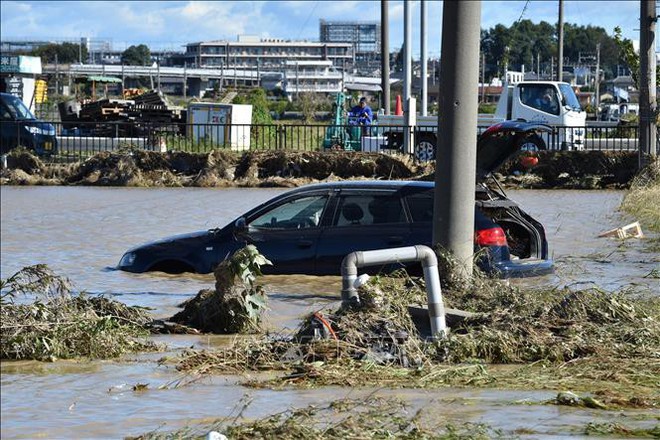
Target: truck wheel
{"points": [[532, 143], [425, 149]]}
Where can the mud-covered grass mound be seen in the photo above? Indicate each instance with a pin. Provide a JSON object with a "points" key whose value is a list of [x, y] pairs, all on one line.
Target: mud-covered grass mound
{"points": [[218, 168], [222, 168], [60, 325], [572, 170], [592, 341]]}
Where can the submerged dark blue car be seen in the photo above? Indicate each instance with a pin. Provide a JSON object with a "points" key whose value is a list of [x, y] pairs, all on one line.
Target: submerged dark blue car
{"points": [[309, 230]]}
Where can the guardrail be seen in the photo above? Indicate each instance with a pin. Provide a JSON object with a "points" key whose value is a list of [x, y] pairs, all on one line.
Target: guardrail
{"points": [[74, 141]]}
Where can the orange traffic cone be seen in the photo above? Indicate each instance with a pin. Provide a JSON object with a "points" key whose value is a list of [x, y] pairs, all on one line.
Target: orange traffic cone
{"points": [[398, 108]]}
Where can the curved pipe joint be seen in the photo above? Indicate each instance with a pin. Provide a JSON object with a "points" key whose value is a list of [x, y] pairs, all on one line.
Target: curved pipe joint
{"points": [[422, 254]]}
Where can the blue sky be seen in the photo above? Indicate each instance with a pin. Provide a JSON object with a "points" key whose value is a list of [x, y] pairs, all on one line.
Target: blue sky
{"points": [[170, 24]]}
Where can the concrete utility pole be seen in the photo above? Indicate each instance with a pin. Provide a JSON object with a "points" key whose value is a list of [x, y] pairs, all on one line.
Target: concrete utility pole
{"points": [[385, 55], [647, 82], [453, 217], [407, 74], [57, 75], [597, 79], [424, 57], [483, 78], [185, 80], [560, 44]]}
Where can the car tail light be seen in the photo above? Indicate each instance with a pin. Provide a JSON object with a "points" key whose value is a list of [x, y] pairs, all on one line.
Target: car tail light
{"points": [[490, 237]]}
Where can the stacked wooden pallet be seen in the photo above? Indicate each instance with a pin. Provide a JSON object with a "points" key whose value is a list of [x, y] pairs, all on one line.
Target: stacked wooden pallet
{"points": [[148, 108], [105, 110]]}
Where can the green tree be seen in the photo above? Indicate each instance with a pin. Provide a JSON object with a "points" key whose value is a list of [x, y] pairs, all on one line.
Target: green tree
{"points": [[309, 104], [579, 40], [65, 53], [524, 41], [259, 101], [136, 56], [630, 57], [628, 54]]}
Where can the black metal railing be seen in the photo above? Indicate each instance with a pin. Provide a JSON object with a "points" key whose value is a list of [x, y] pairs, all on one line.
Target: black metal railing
{"points": [[74, 141]]}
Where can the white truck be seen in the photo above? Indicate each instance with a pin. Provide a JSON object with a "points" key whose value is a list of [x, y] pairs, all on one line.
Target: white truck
{"points": [[549, 102]]}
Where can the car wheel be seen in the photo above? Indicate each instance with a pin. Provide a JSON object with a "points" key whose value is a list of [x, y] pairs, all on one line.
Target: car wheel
{"points": [[532, 143], [425, 150]]}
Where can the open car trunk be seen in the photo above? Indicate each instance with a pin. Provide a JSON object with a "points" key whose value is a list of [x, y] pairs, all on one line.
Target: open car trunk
{"points": [[525, 236]]}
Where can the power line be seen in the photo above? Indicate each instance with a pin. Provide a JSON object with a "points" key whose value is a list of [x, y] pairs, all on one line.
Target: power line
{"points": [[522, 13], [307, 19]]}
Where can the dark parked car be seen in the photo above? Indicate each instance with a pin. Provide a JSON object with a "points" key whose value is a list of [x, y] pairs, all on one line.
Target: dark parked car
{"points": [[309, 230], [19, 127]]}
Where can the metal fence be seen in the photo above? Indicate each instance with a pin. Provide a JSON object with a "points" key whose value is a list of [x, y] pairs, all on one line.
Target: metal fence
{"points": [[69, 141]]}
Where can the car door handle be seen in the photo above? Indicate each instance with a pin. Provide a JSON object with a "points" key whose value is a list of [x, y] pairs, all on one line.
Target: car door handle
{"points": [[394, 239], [303, 244]]}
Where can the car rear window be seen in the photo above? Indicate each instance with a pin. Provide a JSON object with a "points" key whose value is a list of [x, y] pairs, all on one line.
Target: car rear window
{"points": [[369, 210], [421, 206]]}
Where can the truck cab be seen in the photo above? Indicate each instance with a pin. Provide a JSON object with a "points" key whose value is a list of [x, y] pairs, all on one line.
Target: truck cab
{"points": [[548, 102]]}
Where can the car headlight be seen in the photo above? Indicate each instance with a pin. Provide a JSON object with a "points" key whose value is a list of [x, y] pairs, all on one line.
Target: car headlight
{"points": [[46, 131], [127, 260]]}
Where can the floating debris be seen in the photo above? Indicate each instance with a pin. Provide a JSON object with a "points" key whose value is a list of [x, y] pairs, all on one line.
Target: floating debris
{"points": [[632, 230]]}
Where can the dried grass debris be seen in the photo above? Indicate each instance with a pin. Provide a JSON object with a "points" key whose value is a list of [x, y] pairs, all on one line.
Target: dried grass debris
{"points": [[60, 325]]}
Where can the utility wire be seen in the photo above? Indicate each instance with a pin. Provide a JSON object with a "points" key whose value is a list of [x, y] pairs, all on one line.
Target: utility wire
{"points": [[307, 19], [522, 14]]}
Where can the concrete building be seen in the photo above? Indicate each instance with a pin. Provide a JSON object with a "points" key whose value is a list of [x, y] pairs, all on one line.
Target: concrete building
{"points": [[266, 54], [311, 77], [364, 38]]}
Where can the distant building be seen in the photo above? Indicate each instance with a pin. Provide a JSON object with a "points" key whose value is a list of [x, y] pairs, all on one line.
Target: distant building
{"points": [[266, 54], [311, 77], [364, 38]]}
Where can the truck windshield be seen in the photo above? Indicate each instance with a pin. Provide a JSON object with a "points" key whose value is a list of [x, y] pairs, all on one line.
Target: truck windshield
{"points": [[568, 97], [17, 109]]}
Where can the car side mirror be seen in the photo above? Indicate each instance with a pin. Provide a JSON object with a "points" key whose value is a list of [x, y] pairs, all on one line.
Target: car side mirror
{"points": [[240, 227]]}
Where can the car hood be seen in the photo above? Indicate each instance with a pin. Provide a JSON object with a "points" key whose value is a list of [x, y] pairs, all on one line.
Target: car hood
{"points": [[44, 128], [500, 141], [178, 239]]}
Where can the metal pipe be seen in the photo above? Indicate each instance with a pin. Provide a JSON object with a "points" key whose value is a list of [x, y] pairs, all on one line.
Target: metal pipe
{"points": [[423, 254]]}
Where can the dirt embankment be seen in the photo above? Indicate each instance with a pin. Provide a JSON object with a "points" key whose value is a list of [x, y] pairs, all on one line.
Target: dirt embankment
{"points": [[575, 169]]}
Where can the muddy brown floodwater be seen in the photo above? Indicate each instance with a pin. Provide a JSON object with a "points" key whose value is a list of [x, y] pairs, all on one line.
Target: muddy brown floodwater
{"points": [[81, 233]]}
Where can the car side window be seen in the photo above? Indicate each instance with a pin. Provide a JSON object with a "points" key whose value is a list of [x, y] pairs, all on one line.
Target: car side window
{"points": [[369, 210], [421, 207], [304, 212]]}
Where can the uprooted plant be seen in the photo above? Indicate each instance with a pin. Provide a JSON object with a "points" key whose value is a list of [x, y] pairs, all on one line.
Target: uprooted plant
{"points": [[237, 303], [59, 324]]}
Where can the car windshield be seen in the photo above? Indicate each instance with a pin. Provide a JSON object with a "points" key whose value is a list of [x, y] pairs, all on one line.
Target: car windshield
{"points": [[17, 109], [568, 97]]}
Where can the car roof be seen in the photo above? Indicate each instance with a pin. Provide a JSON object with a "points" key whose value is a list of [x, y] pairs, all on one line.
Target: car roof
{"points": [[369, 184]]}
